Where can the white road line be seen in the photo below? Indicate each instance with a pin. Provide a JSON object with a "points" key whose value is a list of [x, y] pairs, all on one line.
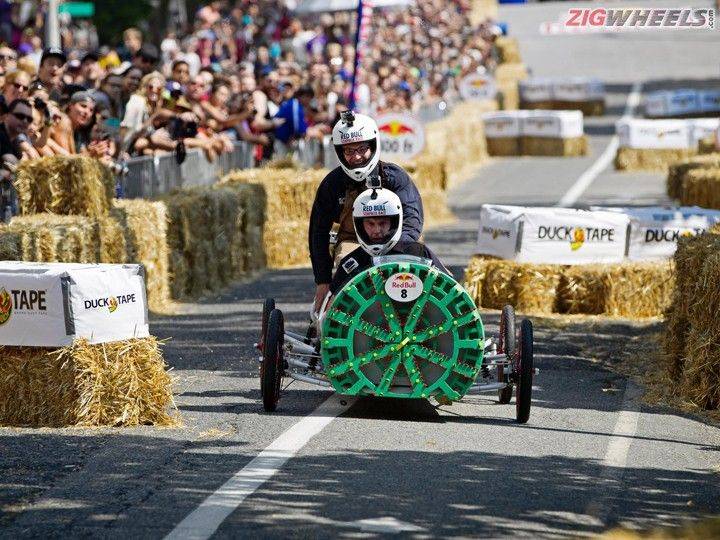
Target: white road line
{"points": [[617, 452], [587, 178], [206, 518]]}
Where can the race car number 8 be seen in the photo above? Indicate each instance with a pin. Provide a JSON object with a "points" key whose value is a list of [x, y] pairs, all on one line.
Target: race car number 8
{"points": [[404, 287]]}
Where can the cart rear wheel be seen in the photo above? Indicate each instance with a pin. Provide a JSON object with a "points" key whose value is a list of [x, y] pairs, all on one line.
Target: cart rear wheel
{"points": [[523, 392], [507, 346], [268, 306], [271, 369]]}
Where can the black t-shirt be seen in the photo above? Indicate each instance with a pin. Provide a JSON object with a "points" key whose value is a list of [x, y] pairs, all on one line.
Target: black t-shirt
{"points": [[358, 260], [329, 203], [6, 145]]}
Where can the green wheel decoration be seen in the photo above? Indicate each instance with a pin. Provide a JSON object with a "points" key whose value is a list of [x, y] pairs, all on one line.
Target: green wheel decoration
{"points": [[402, 330]]}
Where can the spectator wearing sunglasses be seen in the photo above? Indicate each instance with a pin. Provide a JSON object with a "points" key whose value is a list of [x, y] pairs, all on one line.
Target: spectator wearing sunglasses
{"points": [[17, 84], [14, 129]]}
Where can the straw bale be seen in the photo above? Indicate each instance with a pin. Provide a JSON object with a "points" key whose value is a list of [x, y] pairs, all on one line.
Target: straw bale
{"points": [[498, 285], [707, 145], [474, 277], [511, 71], [638, 290], [508, 95], [589, 108], [582, 289], [650, 159], [125, 383], [65, 185], [145, 228], [10, 244], [508, 50], [286, 244], [547, 146], [428, 172], [700, 383], [435, 207], [543, 105], [677, 171], [701, 187], [536, 287], [503, 146], [53, 238]]}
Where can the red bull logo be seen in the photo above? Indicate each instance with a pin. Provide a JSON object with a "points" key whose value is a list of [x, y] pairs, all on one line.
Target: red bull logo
{"points": [[396, 129], [5, 306]]}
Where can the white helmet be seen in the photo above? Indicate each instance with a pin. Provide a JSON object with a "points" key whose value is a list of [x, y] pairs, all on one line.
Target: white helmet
{"points": [[355, 128], [373, 205]]}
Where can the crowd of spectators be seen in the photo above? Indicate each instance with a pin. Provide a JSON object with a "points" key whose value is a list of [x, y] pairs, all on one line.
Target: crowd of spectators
{"points": [[248, 70]]}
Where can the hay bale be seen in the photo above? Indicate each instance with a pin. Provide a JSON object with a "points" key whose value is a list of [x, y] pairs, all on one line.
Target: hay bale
{"points": [[536, 287], [582, 290], [64, 185], [650, 159], [498, 285], [677, 171], [428, 172], [435, 207], [286, 245], [508, 95], [588, 108], [124, 383], [510, 71], [543, 105], [639, 290], [707, 146], [474, 277], [548, 146], [508, 50], [10, 245], [144, 226], [503, 146], [701, 187]]}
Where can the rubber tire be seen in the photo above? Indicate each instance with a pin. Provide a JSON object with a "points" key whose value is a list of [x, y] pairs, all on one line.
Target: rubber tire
{"points": [[271, 369], [508, 346], [523, 392], [268, 306]]}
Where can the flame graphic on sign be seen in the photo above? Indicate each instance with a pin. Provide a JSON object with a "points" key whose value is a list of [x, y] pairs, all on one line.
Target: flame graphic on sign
{"points": [[395, 129], [112, 304], [578, 239], [5, 306]]}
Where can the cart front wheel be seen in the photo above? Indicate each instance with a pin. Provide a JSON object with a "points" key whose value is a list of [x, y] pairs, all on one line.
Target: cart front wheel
{"points": [[524, 374], [271, 369]]}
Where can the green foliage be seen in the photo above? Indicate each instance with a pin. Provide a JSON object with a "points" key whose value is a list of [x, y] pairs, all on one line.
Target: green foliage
{"points": [[114, 16]]}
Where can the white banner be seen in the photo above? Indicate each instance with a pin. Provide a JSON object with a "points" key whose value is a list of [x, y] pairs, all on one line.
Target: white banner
{"points": [[108, 303], [31, 307], [703, 128], [503, 124], [552, 124], [498, 231], [640, 133], [402, 136], [535, 89], [477, 87], [579, 89], [51, 304], [566, 236]]}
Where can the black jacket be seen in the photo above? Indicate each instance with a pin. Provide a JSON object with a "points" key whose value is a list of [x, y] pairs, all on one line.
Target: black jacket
{"points": [[359, 260], [329, 203]]}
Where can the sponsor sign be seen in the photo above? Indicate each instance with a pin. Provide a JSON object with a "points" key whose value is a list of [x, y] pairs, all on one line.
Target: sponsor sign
{"points": [[503, 124], [568, 236], [640, 133], [578, 89], [552, 124], [682, 102], [404, 287], [703, 128], [498, 230], [477, 87], [709, 101], [401, 136], [50, 305], [535, 89]]}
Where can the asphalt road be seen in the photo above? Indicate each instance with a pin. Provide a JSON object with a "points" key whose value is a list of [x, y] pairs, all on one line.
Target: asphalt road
{"points": [[593, 456]]}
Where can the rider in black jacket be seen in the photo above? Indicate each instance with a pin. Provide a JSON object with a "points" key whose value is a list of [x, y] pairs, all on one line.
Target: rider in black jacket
{"points": [[355, 138]]}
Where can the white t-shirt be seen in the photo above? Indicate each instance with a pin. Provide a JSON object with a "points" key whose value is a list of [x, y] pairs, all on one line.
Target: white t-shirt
{"points": [[136, 114]]}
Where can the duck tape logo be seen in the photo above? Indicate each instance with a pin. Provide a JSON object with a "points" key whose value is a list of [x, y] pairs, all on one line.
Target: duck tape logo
{"points": [[5, 306], [576, 236], [21, 301], [495, 232], [111, 302]]}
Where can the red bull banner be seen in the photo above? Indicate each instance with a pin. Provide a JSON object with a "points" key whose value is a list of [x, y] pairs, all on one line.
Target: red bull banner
{"points": [[478, 87], [402, 136]]}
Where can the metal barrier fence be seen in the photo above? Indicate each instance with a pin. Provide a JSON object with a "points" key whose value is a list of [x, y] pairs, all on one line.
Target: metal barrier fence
{"points": [[149, 177]]}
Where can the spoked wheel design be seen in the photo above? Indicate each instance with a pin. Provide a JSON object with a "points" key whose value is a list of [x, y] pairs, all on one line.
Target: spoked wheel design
{"points": [[271, 369], [507, 347], [524, 373], [402, 330]]}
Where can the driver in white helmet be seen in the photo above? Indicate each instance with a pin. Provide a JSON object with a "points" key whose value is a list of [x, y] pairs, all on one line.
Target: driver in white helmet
{"points": [[355, 138], [378, 220]]}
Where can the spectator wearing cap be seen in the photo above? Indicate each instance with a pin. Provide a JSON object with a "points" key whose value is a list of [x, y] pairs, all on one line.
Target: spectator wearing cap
{"points": [[8, 58], [146, 58], [292, 111], [90, 71], [50, 71]]}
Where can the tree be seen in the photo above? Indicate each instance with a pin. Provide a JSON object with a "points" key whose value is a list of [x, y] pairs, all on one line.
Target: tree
{"points": [[114, 16]]}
